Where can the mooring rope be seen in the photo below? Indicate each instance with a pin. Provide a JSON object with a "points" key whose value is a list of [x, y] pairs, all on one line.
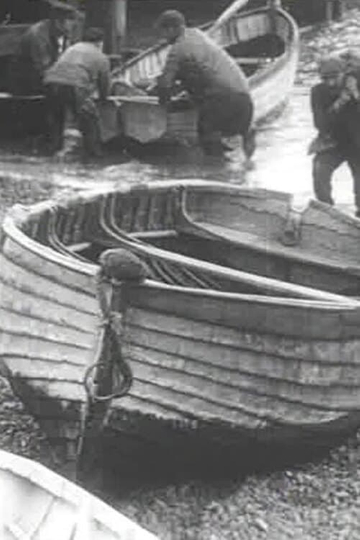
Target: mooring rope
{"points": [[110, 376], [117, 366]]}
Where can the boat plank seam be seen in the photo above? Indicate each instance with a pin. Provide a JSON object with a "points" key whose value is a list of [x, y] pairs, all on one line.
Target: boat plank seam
{"points": [[242, 410], [23, 288], [247, 390], [54, 322], [41, 337], [246, 347], [51, 278], [197, 360]]}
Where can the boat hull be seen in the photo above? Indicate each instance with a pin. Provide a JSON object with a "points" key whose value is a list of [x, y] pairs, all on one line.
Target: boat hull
{"points": [[220, 364]]}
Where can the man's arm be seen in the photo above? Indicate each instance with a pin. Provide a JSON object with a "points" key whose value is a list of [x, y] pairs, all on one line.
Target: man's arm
{"points": [[104, 80], [166, 80], [39, 52], [324, 109]]}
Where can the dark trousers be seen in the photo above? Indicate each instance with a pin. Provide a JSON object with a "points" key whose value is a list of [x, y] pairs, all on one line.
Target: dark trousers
{"points": [[324, 165], [60, 99], [224, 116]]}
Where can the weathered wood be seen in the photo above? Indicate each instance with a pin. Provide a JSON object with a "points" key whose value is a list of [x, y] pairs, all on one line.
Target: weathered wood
{"points": [[286, 317], [202, 355], [293, 359], [323, 351], [249, 410], [250, 231], [39, 285], [116, 25], [22, 302], [213, 382]]}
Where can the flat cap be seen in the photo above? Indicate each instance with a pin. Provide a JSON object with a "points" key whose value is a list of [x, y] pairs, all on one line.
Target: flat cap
{"points": [[93, 34], [331, 65], [172, 18], [351, 59], [61, 9]]}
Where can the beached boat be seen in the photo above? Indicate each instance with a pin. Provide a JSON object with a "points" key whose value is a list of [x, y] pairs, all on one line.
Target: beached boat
{"points": [[269, 233], [207, 354], [264, 41], [37, 503]]}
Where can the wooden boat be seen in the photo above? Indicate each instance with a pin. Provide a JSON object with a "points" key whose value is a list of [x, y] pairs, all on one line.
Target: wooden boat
{"points": [[37, 503], [264, 232], [265, 43], [208, 354]]}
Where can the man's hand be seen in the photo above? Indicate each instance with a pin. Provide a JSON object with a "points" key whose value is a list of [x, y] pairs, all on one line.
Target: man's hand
{"points": [[344, 98], [351, 86]]}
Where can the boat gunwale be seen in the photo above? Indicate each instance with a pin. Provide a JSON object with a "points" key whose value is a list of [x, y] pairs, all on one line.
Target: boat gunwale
{"points": [[311, 204], [62, 488], [19, 214], [279, 62], [206, 26], [347, 305], [254, 80]]}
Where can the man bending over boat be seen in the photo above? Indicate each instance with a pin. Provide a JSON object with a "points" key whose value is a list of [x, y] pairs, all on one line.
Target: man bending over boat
{"points": [[335, 104], [73, 83], [39, 49], [215, 83]]}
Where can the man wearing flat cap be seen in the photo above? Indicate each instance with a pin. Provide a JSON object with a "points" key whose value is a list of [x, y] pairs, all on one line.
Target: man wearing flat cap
{"points": [[216, 84], [79, 78], [335, 104], [39, 49]]}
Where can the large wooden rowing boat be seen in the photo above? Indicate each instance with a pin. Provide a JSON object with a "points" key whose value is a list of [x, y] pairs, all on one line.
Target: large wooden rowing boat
{"points": [[209, 354], [268, 233], [37, 503], [265, 43]]}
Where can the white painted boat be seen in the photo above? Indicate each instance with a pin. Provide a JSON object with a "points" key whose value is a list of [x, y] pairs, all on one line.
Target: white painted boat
{"points": [[215, 356], [264, 41], [38, 504]]}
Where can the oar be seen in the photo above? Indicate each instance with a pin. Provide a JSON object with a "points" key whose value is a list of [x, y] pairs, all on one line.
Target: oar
{"points": [[227, 14]]}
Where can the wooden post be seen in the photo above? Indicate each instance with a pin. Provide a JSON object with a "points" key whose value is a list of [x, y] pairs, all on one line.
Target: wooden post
{"points": [[110, 15], [333, 10], [95, 13], [115, 26], [328, 11]]}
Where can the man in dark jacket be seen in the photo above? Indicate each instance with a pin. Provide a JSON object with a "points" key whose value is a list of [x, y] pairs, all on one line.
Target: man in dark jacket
{"points": [[39, 49], [73, 83], [336, 113], [216, 84]]}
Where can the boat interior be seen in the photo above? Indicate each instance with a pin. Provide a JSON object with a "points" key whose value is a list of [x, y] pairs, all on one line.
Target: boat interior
{"points": [[150, 226], [253, 38]]}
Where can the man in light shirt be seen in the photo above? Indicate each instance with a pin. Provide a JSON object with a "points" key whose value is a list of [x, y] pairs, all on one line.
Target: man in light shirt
{"points": [[74, 83]]}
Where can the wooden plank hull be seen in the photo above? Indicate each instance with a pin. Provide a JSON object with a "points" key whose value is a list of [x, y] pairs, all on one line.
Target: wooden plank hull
{"points": [[270, 86], [216, 355], [38, 503], [250, 229]]}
